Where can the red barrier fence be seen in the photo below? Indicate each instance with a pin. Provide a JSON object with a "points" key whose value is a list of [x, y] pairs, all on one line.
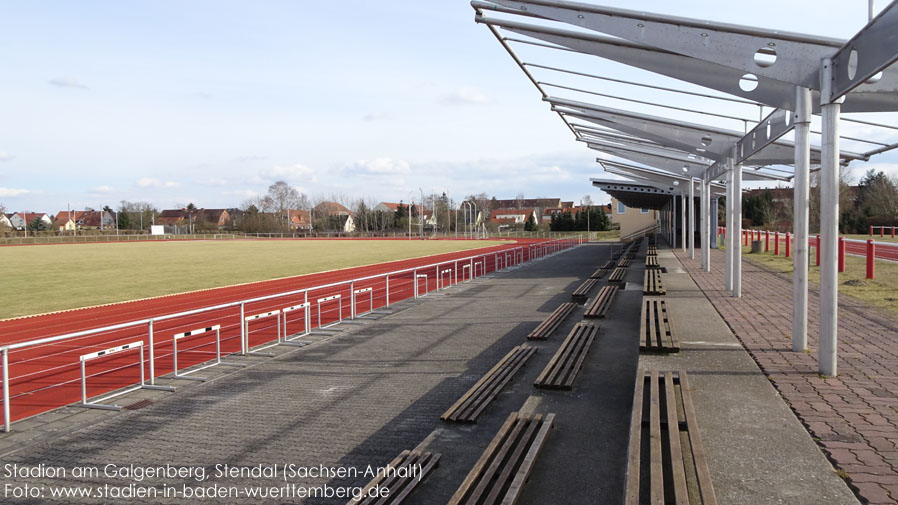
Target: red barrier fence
{"points": [[870, 250], [883, 230]]}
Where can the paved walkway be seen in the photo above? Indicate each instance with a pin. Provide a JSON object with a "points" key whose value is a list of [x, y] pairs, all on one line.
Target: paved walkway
{"points": [[854, 417]]}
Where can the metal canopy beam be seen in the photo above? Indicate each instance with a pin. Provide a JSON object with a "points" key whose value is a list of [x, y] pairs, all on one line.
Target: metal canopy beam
{"points": [[665, 179], [775, 125], [870, 51], [788, 57], [710, 142]]}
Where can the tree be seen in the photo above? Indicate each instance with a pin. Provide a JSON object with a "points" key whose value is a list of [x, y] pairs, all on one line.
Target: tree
{"points": [[882, 197], [135, 215], [530, 224], [586, 200], [37, 224]]}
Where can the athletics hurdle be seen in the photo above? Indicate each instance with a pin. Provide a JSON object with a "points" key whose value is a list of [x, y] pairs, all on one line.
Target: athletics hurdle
{"points": [[418, 276], [308, 326], [196, 333], [356, 292], [108, 352], [256, 317], [463, 268], [482, 267], [339, 304]]}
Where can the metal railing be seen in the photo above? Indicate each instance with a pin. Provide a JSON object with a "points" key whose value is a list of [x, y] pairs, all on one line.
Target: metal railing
{"points": [[385, 288]]}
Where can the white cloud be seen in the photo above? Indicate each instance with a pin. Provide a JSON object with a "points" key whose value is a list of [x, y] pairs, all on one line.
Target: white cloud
{"points": [[250, 157], [242, 193], [151, 182], [465, 95], [67, 82], [375, 116], [103, 189], [5, 156], [213, 181], [11, 193], [297, 172], [379, 166]]}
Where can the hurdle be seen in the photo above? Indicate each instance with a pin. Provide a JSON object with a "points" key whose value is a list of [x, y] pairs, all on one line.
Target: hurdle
{"points": [[308, 326], [441, 276], [468, 268], [196, 333], [482, 265], [417, 281], [256, 317], [84, 358], [355, 294], [339, 304]]}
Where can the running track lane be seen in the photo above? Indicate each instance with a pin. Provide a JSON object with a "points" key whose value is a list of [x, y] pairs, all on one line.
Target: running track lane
{"points": [[48, 376]]}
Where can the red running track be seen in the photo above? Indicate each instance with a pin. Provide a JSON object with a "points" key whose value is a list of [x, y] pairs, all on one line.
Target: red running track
{"points": [[48, 376]]}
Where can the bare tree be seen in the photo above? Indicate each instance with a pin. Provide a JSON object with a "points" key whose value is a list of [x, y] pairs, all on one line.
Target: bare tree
{"points": [[519, 201], [586, 201], [882, 197]]}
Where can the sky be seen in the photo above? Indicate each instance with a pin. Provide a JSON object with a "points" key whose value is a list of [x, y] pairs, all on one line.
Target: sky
{"points": [[209, 102]]}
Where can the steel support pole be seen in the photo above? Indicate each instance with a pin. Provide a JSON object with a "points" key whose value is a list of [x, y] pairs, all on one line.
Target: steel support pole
{"points": [[728, 236], [712, 226], [683, 219], [6, 395], [802, 119], [691, 207], [829, 226], [673, 221], [737, 230], [702, 222]]}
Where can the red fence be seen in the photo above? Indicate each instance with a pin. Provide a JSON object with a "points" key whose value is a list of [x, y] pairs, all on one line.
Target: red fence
{"points": [[869, 249]]}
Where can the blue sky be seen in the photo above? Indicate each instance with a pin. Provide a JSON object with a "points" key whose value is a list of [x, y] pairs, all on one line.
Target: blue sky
{"points": [[210, 101]]}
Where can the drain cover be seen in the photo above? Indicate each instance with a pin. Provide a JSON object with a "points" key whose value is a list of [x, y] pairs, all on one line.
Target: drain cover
{"points": [[138, 405]]}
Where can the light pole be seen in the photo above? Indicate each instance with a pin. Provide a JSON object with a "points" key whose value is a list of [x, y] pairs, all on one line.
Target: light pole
{"points": [[409, 214], [421, 214]]}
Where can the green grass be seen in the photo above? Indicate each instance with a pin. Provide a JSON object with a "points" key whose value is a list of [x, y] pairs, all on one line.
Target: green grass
{"points": [[852, 282], [40, 279]]}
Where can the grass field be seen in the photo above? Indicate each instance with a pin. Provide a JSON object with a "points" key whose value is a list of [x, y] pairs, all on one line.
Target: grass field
{"points": [[39, 279], [880, 291]]}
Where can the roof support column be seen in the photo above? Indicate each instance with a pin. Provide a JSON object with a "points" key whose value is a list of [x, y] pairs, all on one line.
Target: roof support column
{"points": [[728, 236], [691, 218], [712, 226], [706, 225], [802, 119], [683, 219], [703, 222], [673, 221], [829, 226], [737, 230]]}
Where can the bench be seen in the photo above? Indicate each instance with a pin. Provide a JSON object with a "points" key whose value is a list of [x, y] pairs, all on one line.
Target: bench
{"points": [[598, 274], [412, 467], [503, 468], [656, 334], [652, 250], [630, 255], [652, 262], [653, 285], [582, 293], [624, 263], [665, 458], [617, 275], [602, 302], [552, 322], [567, 361], [472, 403]]}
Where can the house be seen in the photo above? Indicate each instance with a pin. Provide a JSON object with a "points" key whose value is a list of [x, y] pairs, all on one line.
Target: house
{"points": [[388, 207], [70, 220], [299, 220], [172, 217], [505, 218], [631, 220], [331, 209], [20, 220], [219, 218]]}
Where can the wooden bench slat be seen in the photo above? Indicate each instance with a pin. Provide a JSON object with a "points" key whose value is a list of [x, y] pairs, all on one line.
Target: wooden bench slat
{"points": [[617, 275], [678, 469], [660, 470], [469, 407], [706, 488], [551, 323], [400, 487], [601, 304], [652, 284], [565, 365], [656, 333], [581, 293], [656, 472], [503, 468]]}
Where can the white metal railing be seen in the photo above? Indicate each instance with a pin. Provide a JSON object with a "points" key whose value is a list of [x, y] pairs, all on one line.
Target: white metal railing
{"points": [[509, 257]]}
